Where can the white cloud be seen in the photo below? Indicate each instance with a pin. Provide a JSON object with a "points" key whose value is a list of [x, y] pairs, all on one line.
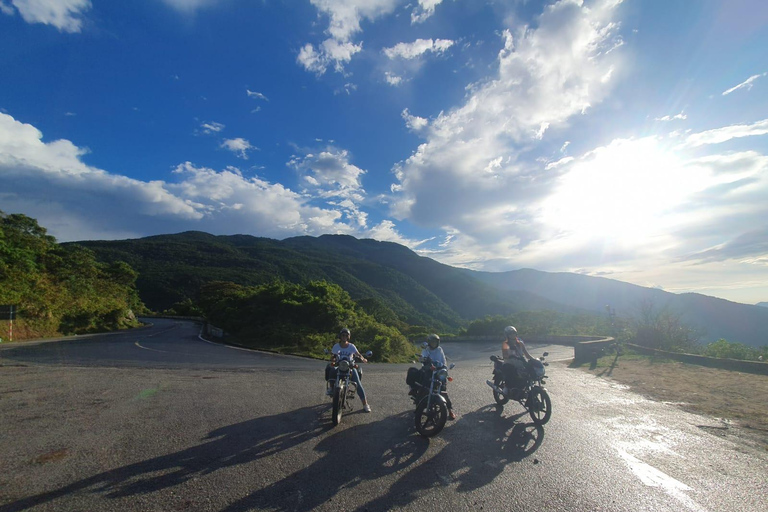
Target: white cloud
{"points": [[392, 79], [209, 128], [545, 75], [189, 6], [414, 123], [720, 135], [677, 117], [257, 95], [746, 84], [425, 9], [239, 146], [65, 15], [74, 201], [417, 48], [344, 18]]}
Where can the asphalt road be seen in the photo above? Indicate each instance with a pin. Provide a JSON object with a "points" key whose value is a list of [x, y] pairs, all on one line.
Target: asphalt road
{"points": [[158, 419]]}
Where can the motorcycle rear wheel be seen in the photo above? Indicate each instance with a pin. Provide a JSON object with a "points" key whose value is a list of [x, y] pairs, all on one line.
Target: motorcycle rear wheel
{"points": [[430, 422], [338, 404], [539, 406], [500, 399]]}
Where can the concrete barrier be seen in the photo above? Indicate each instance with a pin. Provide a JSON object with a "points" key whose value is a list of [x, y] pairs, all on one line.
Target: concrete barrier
{"points": [[738, 365]]}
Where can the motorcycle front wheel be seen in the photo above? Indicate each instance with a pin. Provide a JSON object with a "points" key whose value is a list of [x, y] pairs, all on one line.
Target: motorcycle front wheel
{"points": [[500, 399], [431, 420], [338, 404], [539, 406]]}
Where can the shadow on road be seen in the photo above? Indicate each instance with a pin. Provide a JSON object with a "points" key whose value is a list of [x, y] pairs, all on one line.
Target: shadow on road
{"points": [[473, 460], [481, 445], [236, 444]]}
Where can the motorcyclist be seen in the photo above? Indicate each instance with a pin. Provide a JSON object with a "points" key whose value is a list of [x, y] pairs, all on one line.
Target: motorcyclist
{"points": [[515, 357], [345, 349], [434, 352]]}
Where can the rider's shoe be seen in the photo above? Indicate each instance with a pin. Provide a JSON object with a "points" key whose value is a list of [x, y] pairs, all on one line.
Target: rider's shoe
{"points": [[329, 391], [451, 415], [367, 408]]}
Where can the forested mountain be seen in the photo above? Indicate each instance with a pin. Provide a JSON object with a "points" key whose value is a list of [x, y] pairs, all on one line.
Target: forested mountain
{"points": [[391, 281], [381, 276], [714, 318]]}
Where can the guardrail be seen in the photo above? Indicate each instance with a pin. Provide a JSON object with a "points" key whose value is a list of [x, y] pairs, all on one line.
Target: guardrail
{"points": [[738, 365]]}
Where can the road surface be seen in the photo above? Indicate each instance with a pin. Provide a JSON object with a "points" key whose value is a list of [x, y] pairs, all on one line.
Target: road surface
{"points": [[159, 419]]}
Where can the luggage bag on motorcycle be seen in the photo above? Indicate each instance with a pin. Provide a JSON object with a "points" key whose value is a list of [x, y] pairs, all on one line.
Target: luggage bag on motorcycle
{"points": [[412, 377]]}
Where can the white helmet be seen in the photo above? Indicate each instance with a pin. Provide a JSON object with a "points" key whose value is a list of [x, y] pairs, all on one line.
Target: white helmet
{"points": [[433, 340], [510, 331]]}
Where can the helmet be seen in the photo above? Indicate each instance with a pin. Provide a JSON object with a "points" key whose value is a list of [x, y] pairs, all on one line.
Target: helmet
{"points": [[433, 340], [344, 331], [510, 331]]}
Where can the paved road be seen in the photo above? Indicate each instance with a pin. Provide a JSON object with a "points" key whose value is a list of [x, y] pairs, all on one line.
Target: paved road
{"points": [[156, 419]]}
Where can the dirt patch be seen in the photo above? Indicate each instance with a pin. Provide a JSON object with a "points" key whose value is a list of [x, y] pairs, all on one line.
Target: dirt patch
{"points": [[736, 398]]}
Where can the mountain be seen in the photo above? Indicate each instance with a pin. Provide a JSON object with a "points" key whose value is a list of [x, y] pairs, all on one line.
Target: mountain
{"points": [[419, 290], [716, 318]]}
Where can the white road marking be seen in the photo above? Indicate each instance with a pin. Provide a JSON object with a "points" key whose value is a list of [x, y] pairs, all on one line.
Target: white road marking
{"points": [[652, 477], [152, 349]]}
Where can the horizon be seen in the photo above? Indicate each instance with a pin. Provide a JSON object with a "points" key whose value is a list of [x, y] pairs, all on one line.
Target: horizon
{"points": [[609, 138]]}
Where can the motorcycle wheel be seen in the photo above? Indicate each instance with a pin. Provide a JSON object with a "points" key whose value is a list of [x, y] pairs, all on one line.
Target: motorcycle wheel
{"points": [[430, 422], [338, 404], [500, 399], [539, 406]]}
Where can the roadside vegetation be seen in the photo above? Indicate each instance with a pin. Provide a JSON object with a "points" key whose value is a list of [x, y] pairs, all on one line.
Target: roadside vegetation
{"points": [[60, 290]]}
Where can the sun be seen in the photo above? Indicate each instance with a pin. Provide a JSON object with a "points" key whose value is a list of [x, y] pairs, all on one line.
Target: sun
{"points": [[625, 191]]}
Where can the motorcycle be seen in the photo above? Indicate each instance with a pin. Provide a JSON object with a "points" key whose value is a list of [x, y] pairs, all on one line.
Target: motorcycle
{"points": [[344, 388], [531, 393], [429, 396]]}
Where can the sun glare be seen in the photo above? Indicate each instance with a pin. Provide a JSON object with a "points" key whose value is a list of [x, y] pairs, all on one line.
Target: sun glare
{"points": [[627, 190]]}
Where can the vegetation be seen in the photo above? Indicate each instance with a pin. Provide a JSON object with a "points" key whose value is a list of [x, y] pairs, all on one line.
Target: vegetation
{"points": [[295, 319], [724, 349], [60, 290], [538, 323]]}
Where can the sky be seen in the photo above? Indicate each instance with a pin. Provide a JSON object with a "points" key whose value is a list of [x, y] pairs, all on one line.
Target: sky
{"points": [[623, 139]]}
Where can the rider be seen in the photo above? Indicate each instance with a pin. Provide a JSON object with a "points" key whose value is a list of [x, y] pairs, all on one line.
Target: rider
{"points": [[434, 352], [347, 349], [514, 353]]}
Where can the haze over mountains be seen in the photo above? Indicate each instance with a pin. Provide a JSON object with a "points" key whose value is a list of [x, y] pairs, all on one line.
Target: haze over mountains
{"points": [[419, 290]]}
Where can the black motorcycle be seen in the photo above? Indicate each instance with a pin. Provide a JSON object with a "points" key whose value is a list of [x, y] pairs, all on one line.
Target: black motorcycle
{"points": [[344, 388], [529, 391], [428, 390]]}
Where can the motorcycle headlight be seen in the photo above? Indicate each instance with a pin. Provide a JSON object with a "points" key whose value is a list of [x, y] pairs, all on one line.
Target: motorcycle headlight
{"points": [[442, 375], [344, 365]]}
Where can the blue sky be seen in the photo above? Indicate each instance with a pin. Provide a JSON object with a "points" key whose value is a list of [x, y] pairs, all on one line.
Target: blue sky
{"points": [[622, 139]]}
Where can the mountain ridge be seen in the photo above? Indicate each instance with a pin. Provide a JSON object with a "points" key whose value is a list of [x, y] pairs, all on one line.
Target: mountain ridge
{"points": [[419, 290]]}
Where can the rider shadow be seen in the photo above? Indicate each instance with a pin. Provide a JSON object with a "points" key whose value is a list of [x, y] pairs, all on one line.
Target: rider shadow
{"points": [[232, 445], [353, 457], [479, 446]]}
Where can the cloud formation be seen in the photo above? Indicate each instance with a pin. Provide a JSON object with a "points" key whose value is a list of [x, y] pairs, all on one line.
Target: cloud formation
{"points": [[746, 84], [65, 15], [48, 181]]}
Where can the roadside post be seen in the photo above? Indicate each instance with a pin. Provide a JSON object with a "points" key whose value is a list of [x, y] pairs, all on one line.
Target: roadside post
{"points": [[8, 313]]}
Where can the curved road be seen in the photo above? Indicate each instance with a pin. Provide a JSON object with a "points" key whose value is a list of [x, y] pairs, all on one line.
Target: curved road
{"points": [[159, 419]]}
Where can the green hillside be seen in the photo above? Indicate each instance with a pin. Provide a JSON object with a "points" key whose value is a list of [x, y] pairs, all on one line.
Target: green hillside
{"points": [[390, 279]]}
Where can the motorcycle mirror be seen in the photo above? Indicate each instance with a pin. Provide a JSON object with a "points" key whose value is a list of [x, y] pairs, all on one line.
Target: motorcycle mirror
{"points": [[545, 354], [368, 354], [326, 351], [452, 365]]}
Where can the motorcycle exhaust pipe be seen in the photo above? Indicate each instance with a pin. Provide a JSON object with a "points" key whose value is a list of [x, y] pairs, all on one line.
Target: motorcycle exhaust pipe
{"points": [[495, 387]]}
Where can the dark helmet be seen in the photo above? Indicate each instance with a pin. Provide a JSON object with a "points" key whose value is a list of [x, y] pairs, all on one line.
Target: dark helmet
{"points": [[345, 331], [433, 340]]}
